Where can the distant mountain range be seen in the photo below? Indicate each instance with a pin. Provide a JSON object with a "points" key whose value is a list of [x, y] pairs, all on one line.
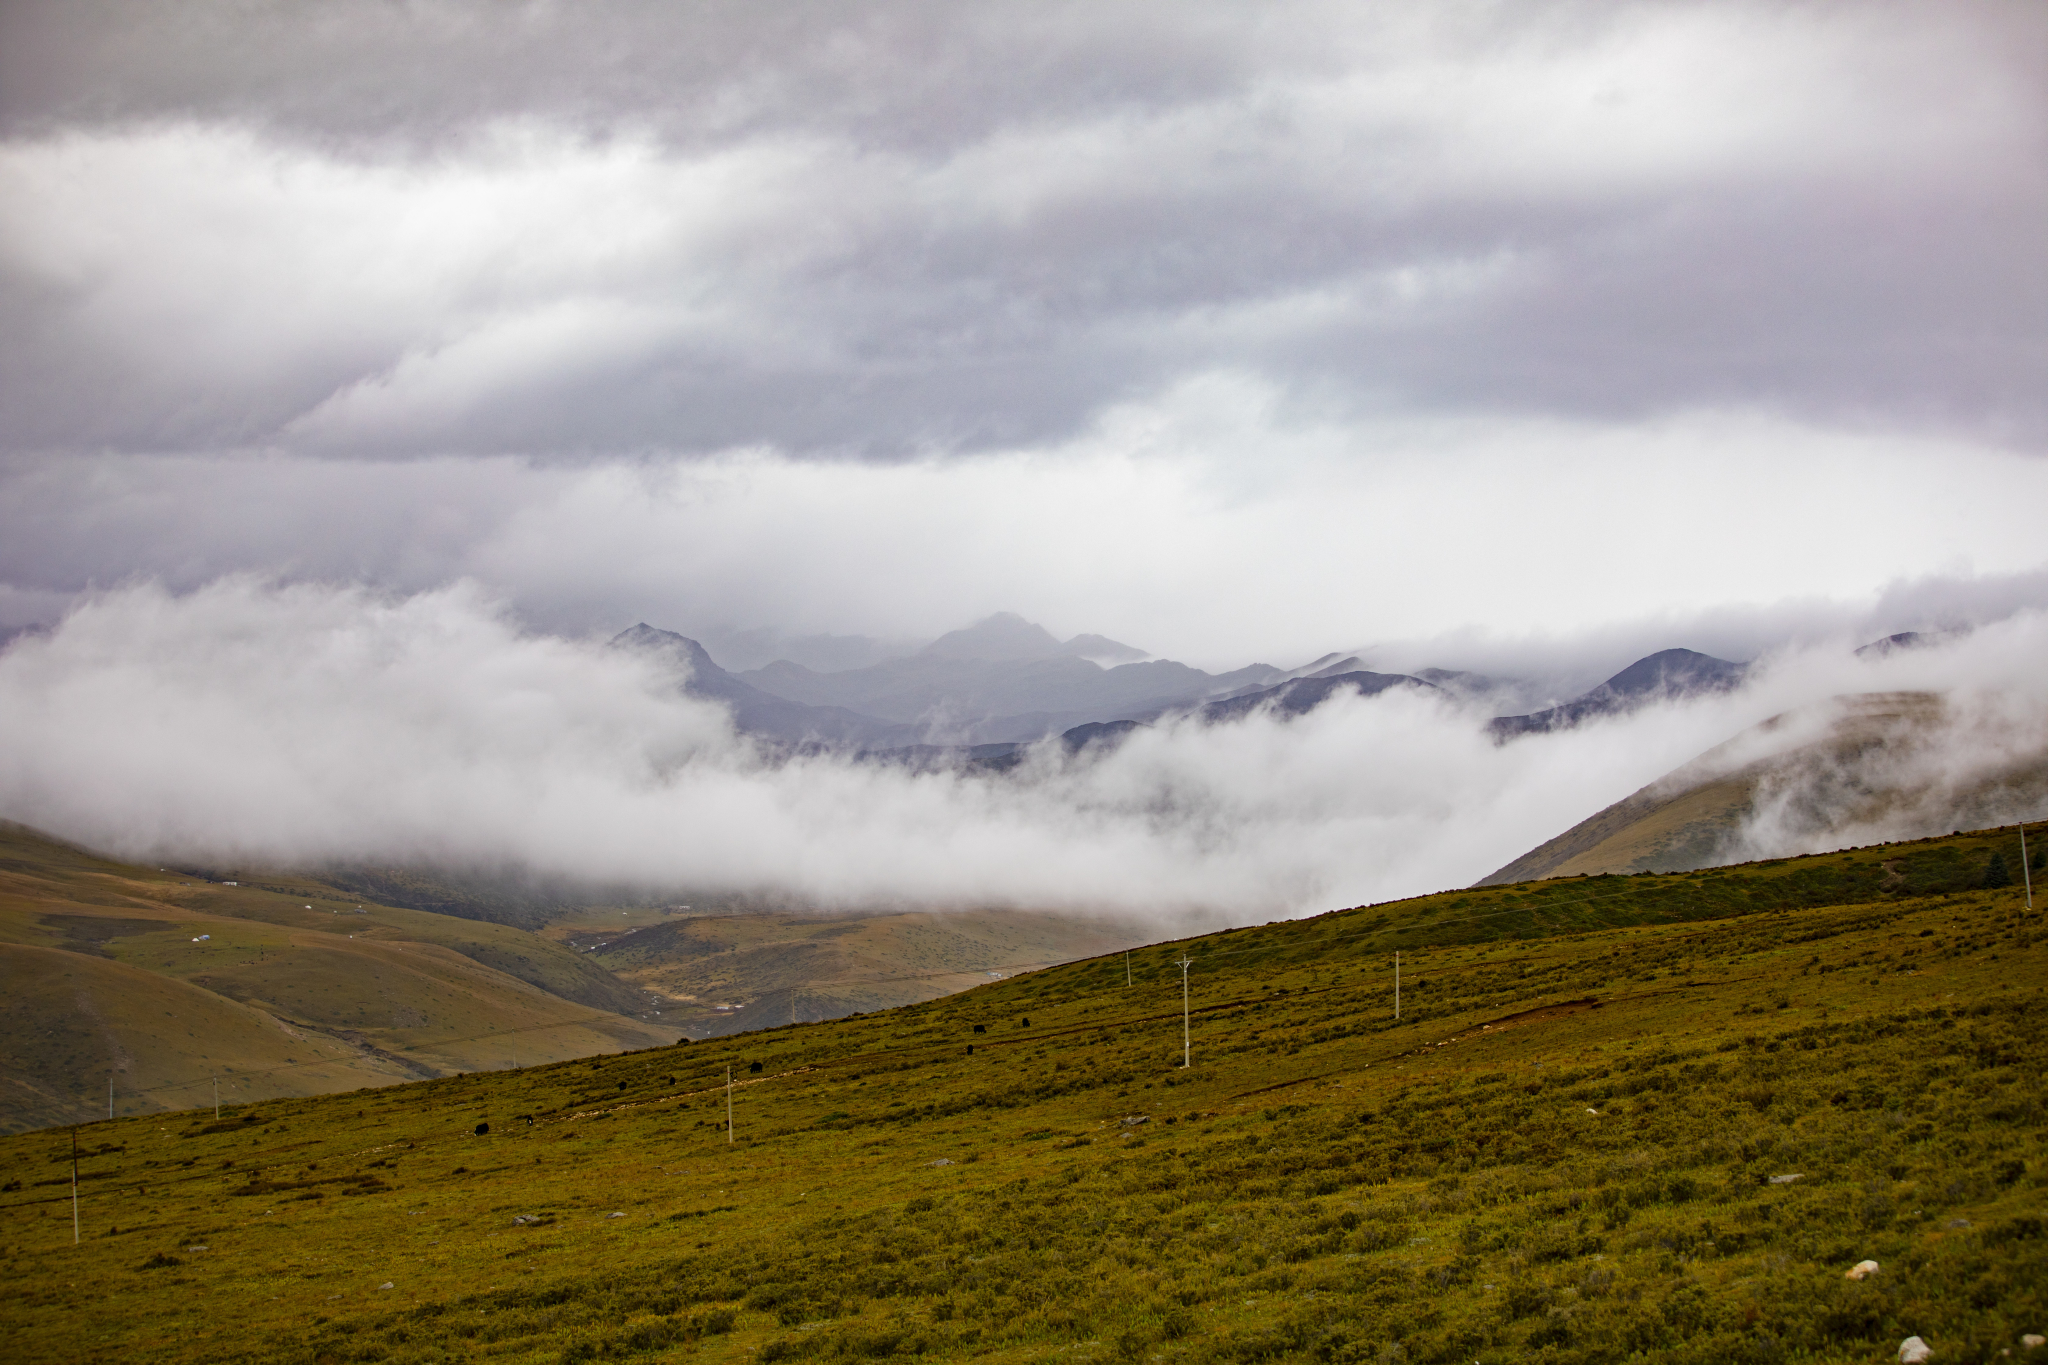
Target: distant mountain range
{"points": [[1005, 680], [1000, 681], [979, 694]]}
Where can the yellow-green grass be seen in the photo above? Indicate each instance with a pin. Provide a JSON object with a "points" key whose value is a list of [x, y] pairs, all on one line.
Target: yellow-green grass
{"points": [[165, 983], [766, 968], [588, 923], [1565, 1150], [1691, 828]]}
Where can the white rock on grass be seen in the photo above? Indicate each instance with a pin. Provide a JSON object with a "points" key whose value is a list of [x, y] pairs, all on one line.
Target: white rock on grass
{"points": [[1788, 1179], [385, 1285], [1862, 1270], [2033, 1341], [1912, 1351]]}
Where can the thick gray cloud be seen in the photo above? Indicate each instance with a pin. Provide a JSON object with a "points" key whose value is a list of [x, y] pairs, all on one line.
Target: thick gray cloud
{"points": [[568, 231]]}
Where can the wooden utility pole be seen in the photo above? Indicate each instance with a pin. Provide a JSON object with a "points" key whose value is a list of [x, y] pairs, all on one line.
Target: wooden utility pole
{"points": [[1185, 963], [728, 1106], [2025, 871], [1397, 984], [74, 1185]]}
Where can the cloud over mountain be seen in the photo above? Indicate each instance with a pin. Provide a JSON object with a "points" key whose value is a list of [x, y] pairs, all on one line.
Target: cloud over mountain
{"points": [[256, 722]]}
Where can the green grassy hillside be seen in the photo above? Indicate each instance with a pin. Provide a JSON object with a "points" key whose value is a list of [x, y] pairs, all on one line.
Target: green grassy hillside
{"points": [[164, 983], [1620, 1117], [728, 973]]}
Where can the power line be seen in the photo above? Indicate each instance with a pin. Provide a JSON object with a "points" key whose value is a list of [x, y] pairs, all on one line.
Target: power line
{"points": [[1324, 939], [900, 1053]]}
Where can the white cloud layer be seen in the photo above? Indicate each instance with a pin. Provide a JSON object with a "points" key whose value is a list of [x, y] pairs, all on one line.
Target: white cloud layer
{"points": [[251, 721], [1208, 526]]}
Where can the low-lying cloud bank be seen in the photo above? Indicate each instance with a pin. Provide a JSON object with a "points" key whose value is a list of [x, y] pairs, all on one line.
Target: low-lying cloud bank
{"points": [[1205, 525], [303, 723]]}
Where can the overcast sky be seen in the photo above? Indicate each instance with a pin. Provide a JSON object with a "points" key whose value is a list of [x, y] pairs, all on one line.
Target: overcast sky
{"points": [[1234, 331]]}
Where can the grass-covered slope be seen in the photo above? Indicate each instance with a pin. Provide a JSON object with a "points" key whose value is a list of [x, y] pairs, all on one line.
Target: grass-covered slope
{"points": [[1877, 761], [729, 973], [1578, 1143], [164, 982]]}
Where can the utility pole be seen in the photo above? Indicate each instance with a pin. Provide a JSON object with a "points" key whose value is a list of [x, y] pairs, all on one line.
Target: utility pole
{"points": [[2025, 871], [728, 1106], [1127, 966], [216, 1097], [74, 1185], [110, 1094], [1397, 984], [1185, 963]]}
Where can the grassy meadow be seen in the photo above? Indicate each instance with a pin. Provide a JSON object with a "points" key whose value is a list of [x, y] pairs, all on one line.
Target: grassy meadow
{"points": [[1652, 1117]]}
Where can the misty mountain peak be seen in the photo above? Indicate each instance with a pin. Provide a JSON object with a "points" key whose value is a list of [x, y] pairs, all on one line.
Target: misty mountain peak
{"points": [[645, 639], [1905, 639], [1668, 674], [1001, 638], [1673, 672], [1102, 650]]}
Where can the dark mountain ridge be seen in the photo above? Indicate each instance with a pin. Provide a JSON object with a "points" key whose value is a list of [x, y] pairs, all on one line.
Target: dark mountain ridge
{"points": [[1666, 675], [1006, 680], [1299, 696], [753, 709]]}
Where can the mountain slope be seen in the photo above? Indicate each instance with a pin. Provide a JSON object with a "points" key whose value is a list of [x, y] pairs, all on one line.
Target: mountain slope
{"points": [[1007, 636], [722, 974], [1579, 1141], [1881, 764], [752, 709], [1299, 696], [1667, 675], [162, 982]]}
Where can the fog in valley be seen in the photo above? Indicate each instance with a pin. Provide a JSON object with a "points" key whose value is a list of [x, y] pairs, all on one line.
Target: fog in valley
{"points": [[252, 722]]}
